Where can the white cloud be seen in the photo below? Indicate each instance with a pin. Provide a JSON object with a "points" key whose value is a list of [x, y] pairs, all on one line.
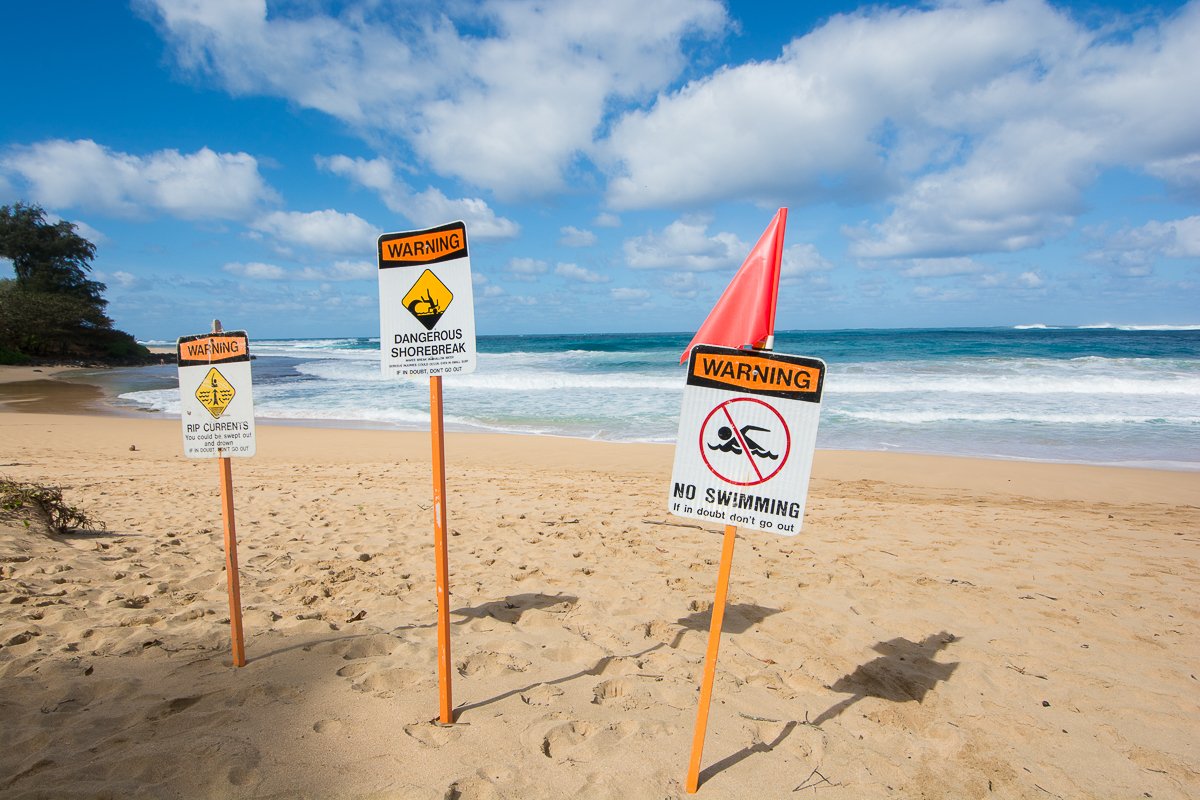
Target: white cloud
{"points": [[122, 280], [1133, 251], [83, 174], [527, 269], [684, 285], [256, 271], [1030, 280], [941, 267], [981, 123], [507, 105], [1178, 238], [82, 228], [341, 271], [425, 209], [801, 260], [582, 274], [626, 294], [685, 246], [327, 231], [576, 237], [1182, 173], [607, 220]]}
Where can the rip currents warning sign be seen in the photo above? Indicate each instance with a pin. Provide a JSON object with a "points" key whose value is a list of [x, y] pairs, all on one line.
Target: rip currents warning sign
{"points": [[216, 401]]}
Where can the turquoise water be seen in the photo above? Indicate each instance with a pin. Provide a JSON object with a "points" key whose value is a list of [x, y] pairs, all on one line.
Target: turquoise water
{"points": [[1094, 395]]}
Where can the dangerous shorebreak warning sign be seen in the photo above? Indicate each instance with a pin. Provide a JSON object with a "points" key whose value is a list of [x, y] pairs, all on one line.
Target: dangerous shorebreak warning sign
{"points": [[426, 305], [216, 401], [747, 434]]}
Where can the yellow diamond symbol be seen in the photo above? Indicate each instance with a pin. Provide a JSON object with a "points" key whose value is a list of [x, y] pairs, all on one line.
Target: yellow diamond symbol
{"points": [[215, 393], [428, 299]]}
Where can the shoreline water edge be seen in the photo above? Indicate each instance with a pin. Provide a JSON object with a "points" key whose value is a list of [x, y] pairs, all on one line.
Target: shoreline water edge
{"points": [[1093, 396]]}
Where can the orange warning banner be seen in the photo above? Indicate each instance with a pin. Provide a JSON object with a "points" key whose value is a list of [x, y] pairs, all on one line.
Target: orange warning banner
{"points": [[423, 247], [773, 374], [213, 348]]}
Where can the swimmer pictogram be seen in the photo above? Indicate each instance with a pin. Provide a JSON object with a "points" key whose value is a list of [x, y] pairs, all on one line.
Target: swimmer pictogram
{"points": [[745, 441], [733, 444]]}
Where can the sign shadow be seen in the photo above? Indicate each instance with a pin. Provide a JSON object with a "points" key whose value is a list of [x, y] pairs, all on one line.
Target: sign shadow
{"points": [[511, 608], [739, 618], [596, 669], [746, 752], [905, 672]]}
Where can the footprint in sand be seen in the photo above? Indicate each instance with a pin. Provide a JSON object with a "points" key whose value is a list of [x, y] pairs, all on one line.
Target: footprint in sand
{"points": [[431, 734], [541, 695], [563, 739], [384, 681], [380, 644], [329, 726], [488, 664], [608, 691]]}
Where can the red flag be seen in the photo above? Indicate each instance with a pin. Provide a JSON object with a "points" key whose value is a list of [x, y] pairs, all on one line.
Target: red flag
{"points": [[745, 314]]}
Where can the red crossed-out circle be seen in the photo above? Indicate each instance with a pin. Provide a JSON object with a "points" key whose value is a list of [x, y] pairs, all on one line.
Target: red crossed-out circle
{"points": [[759, 475]]}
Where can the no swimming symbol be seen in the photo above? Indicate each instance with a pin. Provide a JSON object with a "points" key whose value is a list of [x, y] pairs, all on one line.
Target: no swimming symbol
{"points": [[745, 441]]}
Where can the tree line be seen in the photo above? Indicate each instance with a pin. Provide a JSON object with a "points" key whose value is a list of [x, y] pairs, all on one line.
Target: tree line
{"points": [[51, 310]]}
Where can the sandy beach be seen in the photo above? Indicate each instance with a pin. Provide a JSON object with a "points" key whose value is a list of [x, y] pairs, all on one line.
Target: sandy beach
{"points": [[941, 628]]}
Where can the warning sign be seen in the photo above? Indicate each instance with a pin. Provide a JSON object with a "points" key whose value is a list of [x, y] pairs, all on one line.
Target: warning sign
{"points": [[747, 433], [215, 397], [426, 304]]}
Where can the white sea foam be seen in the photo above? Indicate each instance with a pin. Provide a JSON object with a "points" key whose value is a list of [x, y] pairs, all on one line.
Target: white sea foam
{"points": [[1111, 326], [1057, 395], [1014, 384], [1016, 415]]}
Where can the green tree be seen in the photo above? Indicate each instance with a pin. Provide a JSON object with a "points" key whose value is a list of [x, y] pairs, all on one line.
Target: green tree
{"points": [[52, 309], [48, 257]]}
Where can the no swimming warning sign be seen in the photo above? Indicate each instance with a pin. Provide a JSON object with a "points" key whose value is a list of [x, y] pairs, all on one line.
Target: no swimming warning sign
{"points": [[426, 305], [747, 433]]}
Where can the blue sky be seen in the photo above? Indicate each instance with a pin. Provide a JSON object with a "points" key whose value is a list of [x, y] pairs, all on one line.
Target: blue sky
{"points": [[944, 164]]}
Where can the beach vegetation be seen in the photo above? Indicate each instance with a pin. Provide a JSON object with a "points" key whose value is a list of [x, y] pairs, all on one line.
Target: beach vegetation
{"points": [[34, 504], [51, 310]]}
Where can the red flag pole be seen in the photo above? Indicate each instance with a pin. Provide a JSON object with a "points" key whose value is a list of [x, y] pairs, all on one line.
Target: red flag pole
{"points": [[768, 343], [726, 567]]}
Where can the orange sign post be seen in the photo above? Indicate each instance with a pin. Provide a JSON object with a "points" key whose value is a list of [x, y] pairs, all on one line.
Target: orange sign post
{"points": [[232, 579], [427, 328], [440, 550], [710, 658], [217, 411]]}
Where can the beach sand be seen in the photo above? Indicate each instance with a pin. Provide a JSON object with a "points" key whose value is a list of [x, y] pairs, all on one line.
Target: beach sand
{"points": [[941, 628]]}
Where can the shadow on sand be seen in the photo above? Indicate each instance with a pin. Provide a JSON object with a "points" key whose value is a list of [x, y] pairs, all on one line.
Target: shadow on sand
{"points": [[906, 671]]}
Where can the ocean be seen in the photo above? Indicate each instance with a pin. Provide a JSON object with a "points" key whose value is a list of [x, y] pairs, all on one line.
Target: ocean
{"points": [[1102, 395]]}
